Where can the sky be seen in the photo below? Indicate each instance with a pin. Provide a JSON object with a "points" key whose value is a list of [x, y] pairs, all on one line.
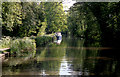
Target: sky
{"points": [[67, 4]]}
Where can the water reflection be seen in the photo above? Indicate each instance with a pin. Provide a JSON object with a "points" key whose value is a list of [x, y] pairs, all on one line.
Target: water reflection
{"points": [[69, 58], [65, 67]]}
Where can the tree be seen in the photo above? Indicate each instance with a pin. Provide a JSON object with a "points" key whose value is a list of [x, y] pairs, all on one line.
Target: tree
{"points": [[55, 17], [100, 21], [26, 19], [11, 16]]}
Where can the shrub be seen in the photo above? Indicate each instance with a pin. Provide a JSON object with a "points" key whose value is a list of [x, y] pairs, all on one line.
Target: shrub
{"points": [[43, 40], [26, 45], [5, 42]]}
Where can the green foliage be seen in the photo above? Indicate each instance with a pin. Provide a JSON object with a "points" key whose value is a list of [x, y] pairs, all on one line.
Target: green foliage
{"points": [[11, 14], [76, 20], [30, 18], [43, 40], [107, 17], [19, 46], [55, 16], [31, 14], [96, 21], [42, 29], [5, 42]]}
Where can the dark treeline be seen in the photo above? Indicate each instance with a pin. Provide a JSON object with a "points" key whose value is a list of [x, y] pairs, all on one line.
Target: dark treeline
{"points": [[96, 22], [31, 18]]}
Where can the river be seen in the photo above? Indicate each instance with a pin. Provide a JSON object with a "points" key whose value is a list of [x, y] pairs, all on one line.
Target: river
{"points": [[71, 58]]}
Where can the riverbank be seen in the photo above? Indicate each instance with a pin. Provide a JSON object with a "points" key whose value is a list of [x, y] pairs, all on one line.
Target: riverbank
{"points": [[22, 46], [4, 53]]}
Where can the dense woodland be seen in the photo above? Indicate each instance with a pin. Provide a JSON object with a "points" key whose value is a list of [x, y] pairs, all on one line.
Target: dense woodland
{"points": [[92, 21], [26, 19], [96, 22]]}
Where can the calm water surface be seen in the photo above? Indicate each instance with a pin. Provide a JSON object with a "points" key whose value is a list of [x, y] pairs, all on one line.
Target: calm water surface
{"points": [[69, 58]]}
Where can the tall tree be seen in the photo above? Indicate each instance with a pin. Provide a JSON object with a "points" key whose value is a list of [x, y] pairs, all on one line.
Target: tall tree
{"points": [[55, 17], [12, 17], [30, 18], [99, 19]]}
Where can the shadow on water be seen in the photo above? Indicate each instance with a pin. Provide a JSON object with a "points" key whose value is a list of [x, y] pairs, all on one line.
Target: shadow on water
{"points": [[69, 58]]}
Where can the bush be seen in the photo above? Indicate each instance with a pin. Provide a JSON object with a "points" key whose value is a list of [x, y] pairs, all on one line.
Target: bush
{"points": [[5, 42], [43, 40], [23, 45]]}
